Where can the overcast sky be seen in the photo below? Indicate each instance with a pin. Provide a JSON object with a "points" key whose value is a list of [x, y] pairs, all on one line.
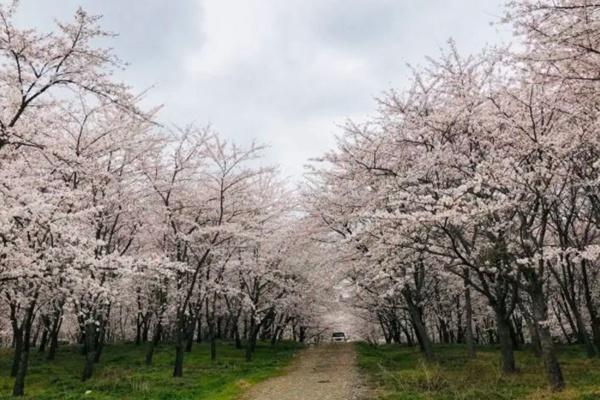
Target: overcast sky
{"points": [[283, 72]]}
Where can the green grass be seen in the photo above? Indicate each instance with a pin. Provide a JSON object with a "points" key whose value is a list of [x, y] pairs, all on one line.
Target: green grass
{"points": [[121, 373], [399, 373]]}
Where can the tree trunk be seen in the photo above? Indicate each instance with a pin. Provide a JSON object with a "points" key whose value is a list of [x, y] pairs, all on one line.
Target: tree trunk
{"points": [[100, 341], [19, 387], [505, 340], [199, 333], [179, 345], [18, 345], [138, 328], [210, 321], [535, 338], [23, 360], [513, 334], [90, 350], [590, 348], [56, 324], [589, 302], [219, 332], [178, 368], [469, 337], [43, 340], [252, 334], [153, 343], [36, 334], [420, 330], [189, 341], [540, 312], [409, 338], [236, 335], [274, 336]]}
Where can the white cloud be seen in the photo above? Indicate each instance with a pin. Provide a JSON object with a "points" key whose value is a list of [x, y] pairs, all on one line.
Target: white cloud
{"points": [[282, 72]]}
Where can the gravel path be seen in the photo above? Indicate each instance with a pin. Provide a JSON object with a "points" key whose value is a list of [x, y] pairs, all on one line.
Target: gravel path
{"points": [[326, 372]]}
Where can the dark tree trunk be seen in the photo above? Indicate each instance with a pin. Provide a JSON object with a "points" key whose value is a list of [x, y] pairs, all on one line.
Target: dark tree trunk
{"points": [[420, 330], [138, 330], [178, 368], [210, 320], [36, 335], [18, 346], [591, 307], [236, 335], [590, 348], [19, 387], [90, 350], [219, 333], [100, 341], [152, 346], [540, 312], [505, 340], [190, 336], [199, 328], [274, 336], [146, 329], [43, 340], [469, 322], [252, 335], [513, 335], [302, 334], [565, 310], [56, 324], [535, 337], [407, 333], [444, 334], [518, 325], [179, 348]]}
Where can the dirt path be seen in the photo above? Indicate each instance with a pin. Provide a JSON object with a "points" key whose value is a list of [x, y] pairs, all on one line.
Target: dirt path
{"points": [[326, 372]]}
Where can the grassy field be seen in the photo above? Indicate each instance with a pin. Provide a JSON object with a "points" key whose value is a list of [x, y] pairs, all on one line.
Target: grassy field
{"points": [[121, 374], [399, 373]]}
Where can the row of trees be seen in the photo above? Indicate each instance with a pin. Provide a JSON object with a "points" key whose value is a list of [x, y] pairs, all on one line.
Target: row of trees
{"points": [[472, 201], [114, 228]]}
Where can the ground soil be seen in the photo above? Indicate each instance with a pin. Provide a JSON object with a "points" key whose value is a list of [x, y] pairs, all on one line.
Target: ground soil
{"points": [[325, 372]]}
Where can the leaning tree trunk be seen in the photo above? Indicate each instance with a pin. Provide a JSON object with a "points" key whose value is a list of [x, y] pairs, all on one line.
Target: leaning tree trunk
{"points": [[590, 348], [420, 330], [409, 337], [591, 307]]}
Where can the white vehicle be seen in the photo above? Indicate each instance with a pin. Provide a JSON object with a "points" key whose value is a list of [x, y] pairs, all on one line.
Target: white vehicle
{"points": [[339, 337]]}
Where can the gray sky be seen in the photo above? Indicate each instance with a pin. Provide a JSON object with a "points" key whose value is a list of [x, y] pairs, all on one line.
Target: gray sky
{"points": [[283, 72]]}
